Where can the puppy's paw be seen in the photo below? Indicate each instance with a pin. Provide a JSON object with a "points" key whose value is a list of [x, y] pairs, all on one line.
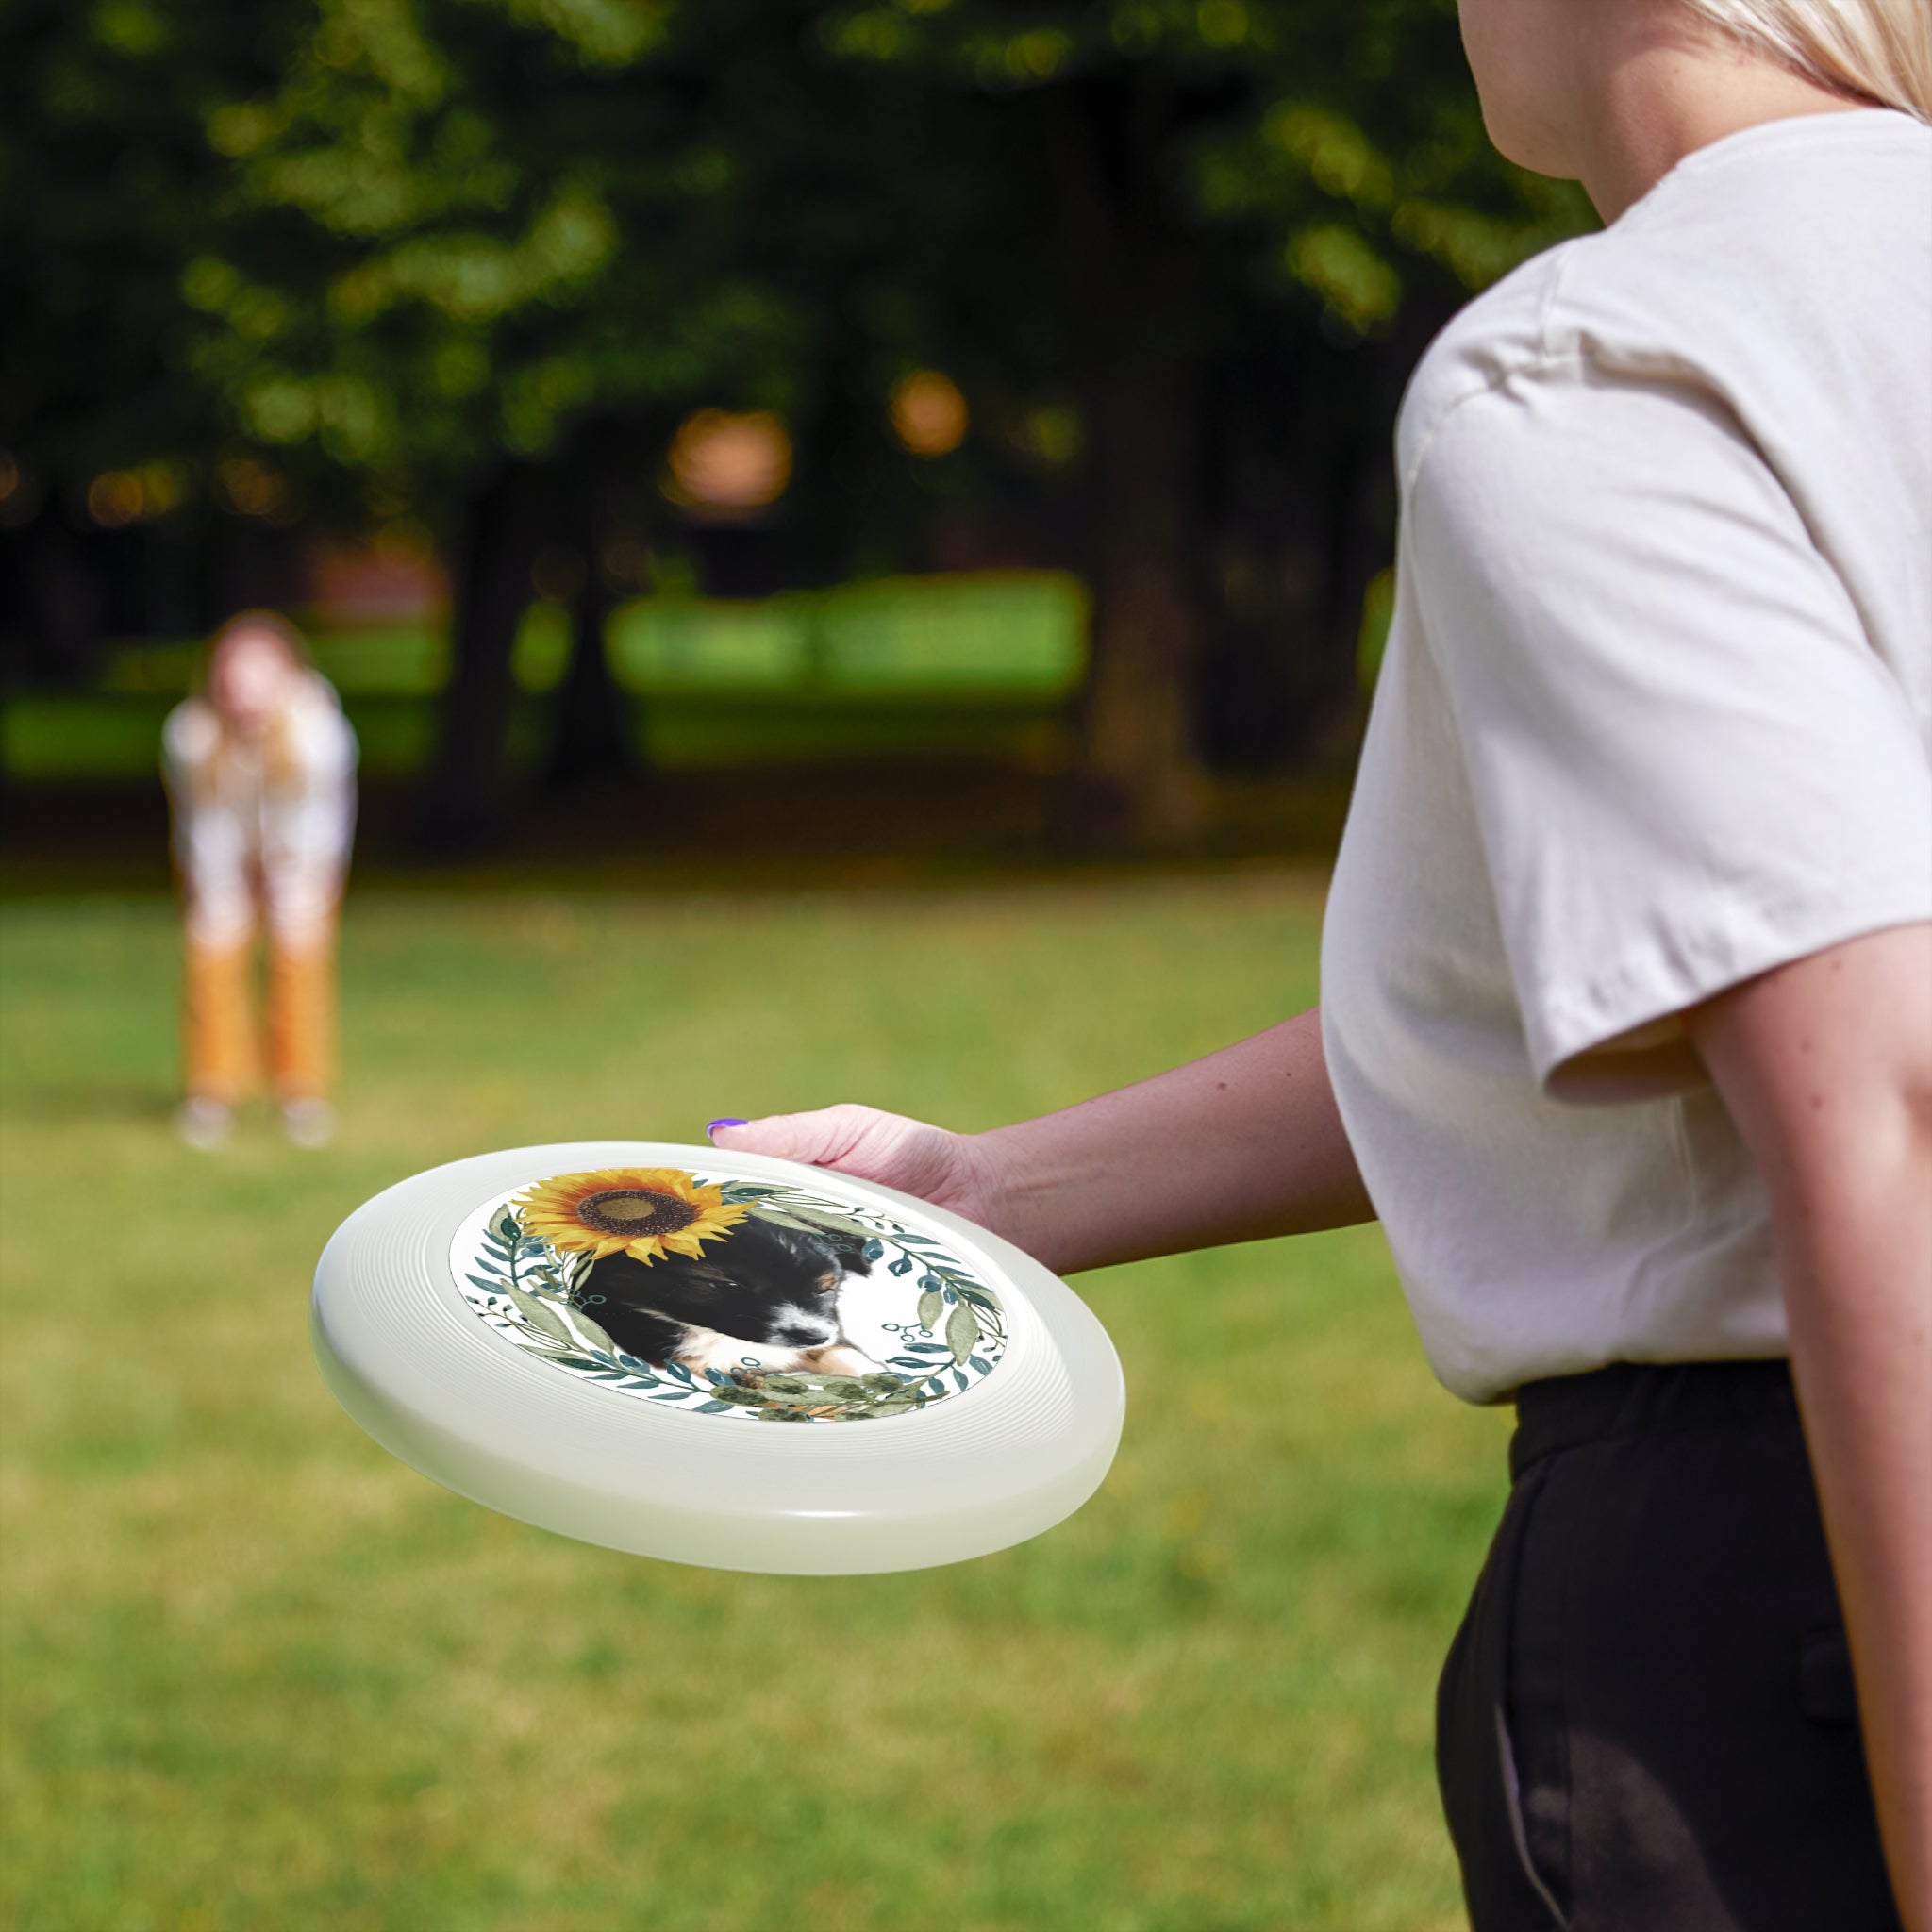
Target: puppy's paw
{"points": [[842, 1358]]}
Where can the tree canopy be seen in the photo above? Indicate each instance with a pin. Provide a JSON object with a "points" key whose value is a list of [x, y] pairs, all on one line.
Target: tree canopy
{"points": [[435, 259]]}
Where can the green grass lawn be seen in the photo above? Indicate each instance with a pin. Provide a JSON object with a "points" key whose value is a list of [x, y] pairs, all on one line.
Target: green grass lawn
{"points": [[258, 1674]]}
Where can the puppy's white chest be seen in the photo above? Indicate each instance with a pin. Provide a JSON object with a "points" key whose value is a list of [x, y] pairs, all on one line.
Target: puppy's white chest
{"points": [[706, 1348]]}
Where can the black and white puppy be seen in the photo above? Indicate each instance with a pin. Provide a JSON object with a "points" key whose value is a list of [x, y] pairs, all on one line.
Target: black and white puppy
{"points": [[764, 1300]]}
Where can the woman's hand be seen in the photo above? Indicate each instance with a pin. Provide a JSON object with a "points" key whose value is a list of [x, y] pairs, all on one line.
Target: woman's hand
{"points": [[949, 1170]]}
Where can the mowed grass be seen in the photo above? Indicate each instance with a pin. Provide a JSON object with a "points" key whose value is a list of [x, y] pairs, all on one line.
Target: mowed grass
{"points": [[260, 1675]]}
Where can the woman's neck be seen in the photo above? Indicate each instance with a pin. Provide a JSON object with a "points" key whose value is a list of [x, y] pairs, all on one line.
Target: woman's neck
{"points": [[1656, 96]]}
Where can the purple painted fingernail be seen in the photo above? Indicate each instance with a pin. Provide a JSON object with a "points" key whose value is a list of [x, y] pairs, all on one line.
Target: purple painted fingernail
{"points": [[716, 1125]]}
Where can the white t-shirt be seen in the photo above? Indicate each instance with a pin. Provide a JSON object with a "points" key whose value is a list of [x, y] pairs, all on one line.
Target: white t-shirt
{"points": [[244, 831], [1656, 716]]}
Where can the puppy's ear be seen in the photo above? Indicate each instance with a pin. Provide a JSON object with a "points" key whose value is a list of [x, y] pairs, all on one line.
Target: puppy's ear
{"points": [[619, 1275], [640, 1282], [703, 1276]]}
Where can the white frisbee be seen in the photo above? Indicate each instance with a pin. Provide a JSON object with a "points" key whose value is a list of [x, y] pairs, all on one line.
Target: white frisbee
{"points": [[717, 1359]]}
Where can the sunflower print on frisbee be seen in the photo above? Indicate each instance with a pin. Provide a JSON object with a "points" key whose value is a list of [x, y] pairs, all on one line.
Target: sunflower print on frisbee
{"points": [[640, 1211], [909, 1322]]}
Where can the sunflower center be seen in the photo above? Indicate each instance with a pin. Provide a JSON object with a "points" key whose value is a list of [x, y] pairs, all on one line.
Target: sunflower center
{"points": [[633, 1212]]}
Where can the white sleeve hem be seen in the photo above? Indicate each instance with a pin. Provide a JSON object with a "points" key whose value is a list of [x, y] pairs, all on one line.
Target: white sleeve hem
{"points": [[1647, 994]]}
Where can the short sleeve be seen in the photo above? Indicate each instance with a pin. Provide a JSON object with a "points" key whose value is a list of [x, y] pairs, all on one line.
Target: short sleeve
{"points": [[1688, 764], [325, 741], [187, 741]]}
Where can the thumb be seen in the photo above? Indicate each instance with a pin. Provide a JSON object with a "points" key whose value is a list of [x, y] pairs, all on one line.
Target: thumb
{"points": [[816, 1138], [859, 1141]]}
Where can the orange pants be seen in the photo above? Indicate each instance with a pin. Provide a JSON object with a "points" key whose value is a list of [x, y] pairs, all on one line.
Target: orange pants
{"points": [[221, 1045]]}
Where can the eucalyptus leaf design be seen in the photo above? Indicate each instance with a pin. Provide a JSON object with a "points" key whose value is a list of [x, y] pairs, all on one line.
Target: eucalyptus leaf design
{"points": [[962, 1332], [812, 1219], [541, 1316], [587, 1331]]}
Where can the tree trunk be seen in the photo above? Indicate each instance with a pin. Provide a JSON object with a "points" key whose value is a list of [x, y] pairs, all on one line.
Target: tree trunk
{"points": [[466, 803], [591, 742], [1138, 726], [1133, 306], [62, 602], [593, 746]]}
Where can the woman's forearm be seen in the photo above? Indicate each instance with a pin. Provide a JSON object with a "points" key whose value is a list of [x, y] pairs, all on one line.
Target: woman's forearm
{"points": [[1857, 1287], [1826, 1068], [1243, 1144]]}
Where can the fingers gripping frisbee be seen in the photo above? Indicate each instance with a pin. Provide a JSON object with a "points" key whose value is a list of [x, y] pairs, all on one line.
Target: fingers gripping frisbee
{"points": [[717, 1359]]}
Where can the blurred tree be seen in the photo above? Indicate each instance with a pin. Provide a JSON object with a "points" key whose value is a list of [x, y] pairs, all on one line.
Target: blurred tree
{"points": [[509, 226], [469, 263], [106, 188], [1238, 199], [506, 246]]}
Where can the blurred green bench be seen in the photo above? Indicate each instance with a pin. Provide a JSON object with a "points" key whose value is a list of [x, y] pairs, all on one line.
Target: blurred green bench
{"points": [[978, 666]]}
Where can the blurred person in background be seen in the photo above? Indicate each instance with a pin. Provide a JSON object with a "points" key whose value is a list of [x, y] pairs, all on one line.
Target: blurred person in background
{"points": [[1626, 1022], [260, 768]]}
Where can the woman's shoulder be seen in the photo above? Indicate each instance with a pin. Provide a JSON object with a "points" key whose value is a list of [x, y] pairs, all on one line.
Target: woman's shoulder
{"points": [[315, 696], [1495, 337], [321, 734], [1755, 267], [191, 733]]}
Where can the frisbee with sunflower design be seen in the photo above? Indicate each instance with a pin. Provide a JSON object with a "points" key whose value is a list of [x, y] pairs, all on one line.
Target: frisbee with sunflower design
{"points": [[597, 1337]]}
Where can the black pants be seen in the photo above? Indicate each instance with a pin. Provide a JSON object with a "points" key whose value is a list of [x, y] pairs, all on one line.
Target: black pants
{"points": [[1646, 1721]]}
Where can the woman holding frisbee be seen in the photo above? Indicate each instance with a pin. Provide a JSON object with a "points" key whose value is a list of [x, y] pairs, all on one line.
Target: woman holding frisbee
{"points": [[1627, 1030]]}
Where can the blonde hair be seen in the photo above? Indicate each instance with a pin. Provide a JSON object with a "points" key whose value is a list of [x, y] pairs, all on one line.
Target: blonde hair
{"points": [[294, 646], [1879, 50]]}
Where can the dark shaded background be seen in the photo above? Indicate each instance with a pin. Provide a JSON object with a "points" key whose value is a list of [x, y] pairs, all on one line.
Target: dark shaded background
{"points": [[391, 313]]}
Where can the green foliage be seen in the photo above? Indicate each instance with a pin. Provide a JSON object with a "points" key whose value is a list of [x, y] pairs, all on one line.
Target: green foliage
{"points": [[501, 235], [107, 189], [258, 1673], [466, 264], [398, 239], [1344, 138]]}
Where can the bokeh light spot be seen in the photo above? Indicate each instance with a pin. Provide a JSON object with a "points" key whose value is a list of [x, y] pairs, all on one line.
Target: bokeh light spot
{"points": [[114, 499], [250, 488], [929, 415], [729, 464]]}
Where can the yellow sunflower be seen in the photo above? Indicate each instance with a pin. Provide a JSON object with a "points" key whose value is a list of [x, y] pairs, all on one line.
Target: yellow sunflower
{"points": [[640, 1212]]}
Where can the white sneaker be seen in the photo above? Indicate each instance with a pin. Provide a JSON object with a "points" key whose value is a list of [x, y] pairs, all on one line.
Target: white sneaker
{"points": [[308, 1122], [204, 1123]]}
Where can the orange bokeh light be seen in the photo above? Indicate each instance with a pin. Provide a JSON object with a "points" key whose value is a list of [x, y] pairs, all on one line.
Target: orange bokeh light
{"points": [[251, 489], [115, 499], [929, 415], [729, 464]]}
